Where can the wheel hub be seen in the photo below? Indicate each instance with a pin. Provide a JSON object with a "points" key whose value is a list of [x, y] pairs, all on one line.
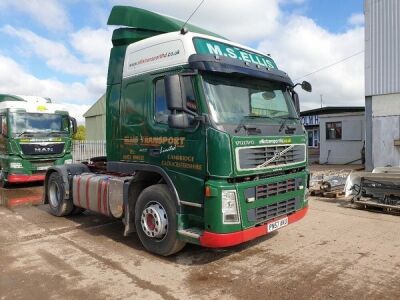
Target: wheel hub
{"points": [[54, 194], [154, 220]]}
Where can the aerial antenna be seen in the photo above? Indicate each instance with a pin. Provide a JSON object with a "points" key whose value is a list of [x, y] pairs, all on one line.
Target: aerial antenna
{"points": [[183, 29]]}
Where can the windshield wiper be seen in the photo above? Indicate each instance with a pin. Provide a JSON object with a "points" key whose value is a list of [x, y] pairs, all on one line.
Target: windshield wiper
{"points": [[247, 127], [25, 132], [56, 132], [285, 119]]}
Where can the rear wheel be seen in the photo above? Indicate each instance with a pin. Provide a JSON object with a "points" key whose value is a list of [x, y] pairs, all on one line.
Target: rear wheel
{"points": [[155, 220], [59, 206]]}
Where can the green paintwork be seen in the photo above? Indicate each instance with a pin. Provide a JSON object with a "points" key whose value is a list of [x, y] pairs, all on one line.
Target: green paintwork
{"points": [[134, 136], [206, 46], [146, 20]]}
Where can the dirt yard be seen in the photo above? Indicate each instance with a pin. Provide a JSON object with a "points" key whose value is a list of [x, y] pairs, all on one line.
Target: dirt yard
{"points": [[334, 252]]}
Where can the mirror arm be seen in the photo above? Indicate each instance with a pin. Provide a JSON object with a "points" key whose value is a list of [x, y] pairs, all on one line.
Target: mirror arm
{"points": [[201, 118], [292, 88]]}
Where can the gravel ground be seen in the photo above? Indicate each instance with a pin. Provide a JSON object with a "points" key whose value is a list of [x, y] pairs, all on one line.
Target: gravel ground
{"points": [[334, 252]]}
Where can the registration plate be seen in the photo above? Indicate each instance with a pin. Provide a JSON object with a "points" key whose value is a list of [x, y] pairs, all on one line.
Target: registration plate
{"points": [[277, 224], [42, 168]]}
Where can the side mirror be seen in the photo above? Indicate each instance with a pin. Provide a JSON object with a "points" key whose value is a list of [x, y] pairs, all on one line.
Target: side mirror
{"points": [[305, 85], [296, 102], [174, 93], [179, 121], [74, 125]]}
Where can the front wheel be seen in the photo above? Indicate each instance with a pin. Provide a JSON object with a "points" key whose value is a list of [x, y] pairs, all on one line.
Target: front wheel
{"points": [[155, 220]]}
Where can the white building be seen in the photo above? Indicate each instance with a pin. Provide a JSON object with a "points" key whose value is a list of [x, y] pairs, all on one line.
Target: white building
{"points": [[382, 82], [335, 134]]}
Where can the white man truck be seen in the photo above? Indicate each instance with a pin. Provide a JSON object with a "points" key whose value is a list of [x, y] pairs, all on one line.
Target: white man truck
{"points": [[35, 134]]}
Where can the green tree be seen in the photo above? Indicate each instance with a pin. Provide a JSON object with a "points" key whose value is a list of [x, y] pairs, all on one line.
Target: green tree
{"points": [[80, 134]]}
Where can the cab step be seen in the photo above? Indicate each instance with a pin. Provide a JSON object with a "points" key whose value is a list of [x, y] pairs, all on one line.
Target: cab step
{"points": [[194, 232]]}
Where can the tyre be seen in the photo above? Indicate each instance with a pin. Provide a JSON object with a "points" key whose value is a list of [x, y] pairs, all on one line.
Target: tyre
{"points": [[155, 220], [59, 206], [3, 182]]}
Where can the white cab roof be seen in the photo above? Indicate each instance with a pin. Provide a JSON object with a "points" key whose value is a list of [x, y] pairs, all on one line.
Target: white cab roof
{"points": [[165, 51], [32, 107]]}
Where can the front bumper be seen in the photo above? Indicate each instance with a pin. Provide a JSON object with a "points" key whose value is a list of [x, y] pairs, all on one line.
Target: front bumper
{"points": [[23, 178], [222, 240]]}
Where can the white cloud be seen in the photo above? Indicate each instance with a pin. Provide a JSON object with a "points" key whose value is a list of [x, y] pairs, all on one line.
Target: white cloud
{"points": [[50, 13], [15, 80], [301, 46], [93, 44], [356, 19], [56, 54]]}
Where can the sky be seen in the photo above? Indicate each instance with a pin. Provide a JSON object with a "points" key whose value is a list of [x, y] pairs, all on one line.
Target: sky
{"points": [[60, 49]]}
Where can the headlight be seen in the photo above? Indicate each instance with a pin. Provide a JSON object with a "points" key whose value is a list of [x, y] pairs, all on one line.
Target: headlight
{"points": [[68, 161], [230, 213], [15, 165]]}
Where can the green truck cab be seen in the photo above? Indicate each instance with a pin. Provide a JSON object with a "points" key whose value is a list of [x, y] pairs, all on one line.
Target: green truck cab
{"points": [[35, 134], [204, 142]]}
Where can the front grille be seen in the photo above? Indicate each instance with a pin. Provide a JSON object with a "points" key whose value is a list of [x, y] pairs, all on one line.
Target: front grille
{"points": [[276, 188], [271, 156], [44, 149], [271, 211]]}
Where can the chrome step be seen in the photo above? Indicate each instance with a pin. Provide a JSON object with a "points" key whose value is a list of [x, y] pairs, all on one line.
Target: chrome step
{"points": [[191, 232]]}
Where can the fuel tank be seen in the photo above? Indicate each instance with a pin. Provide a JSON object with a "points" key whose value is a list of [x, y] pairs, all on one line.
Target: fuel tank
{"points": [[100, 193]]}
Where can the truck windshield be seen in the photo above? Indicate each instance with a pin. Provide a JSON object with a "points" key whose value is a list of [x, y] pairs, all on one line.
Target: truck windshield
{"points": [[39, 124], [232, 99]]}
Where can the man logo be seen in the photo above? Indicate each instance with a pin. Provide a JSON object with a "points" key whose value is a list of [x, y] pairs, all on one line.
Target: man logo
{"points": [[44, 149]]}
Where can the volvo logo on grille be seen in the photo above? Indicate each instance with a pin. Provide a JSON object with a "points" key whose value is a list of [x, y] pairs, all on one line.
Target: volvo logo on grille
{"points": [[277, 155], [40, 149]]}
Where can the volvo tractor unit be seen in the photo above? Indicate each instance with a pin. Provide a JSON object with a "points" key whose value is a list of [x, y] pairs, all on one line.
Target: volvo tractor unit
{"points": [[204, 141], [35, 134]]}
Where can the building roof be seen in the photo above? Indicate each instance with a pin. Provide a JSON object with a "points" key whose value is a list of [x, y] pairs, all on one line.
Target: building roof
{"points": [[332, 110], [97, 109]]}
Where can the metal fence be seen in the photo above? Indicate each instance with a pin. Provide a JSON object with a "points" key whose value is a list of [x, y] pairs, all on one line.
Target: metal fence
{"points": [[84, 150]]}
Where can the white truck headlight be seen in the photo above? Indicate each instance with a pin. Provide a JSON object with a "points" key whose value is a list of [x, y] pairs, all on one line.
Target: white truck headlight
{"points": [[68, 161], [15, 165], [230, 213]]}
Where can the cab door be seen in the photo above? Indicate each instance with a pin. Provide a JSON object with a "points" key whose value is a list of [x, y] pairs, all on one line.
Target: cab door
{"points": [[180, 152]]}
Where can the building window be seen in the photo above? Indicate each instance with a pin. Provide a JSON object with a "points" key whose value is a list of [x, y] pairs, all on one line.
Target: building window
{"points": [[313, 138], [334, 130], [161, 109]]}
